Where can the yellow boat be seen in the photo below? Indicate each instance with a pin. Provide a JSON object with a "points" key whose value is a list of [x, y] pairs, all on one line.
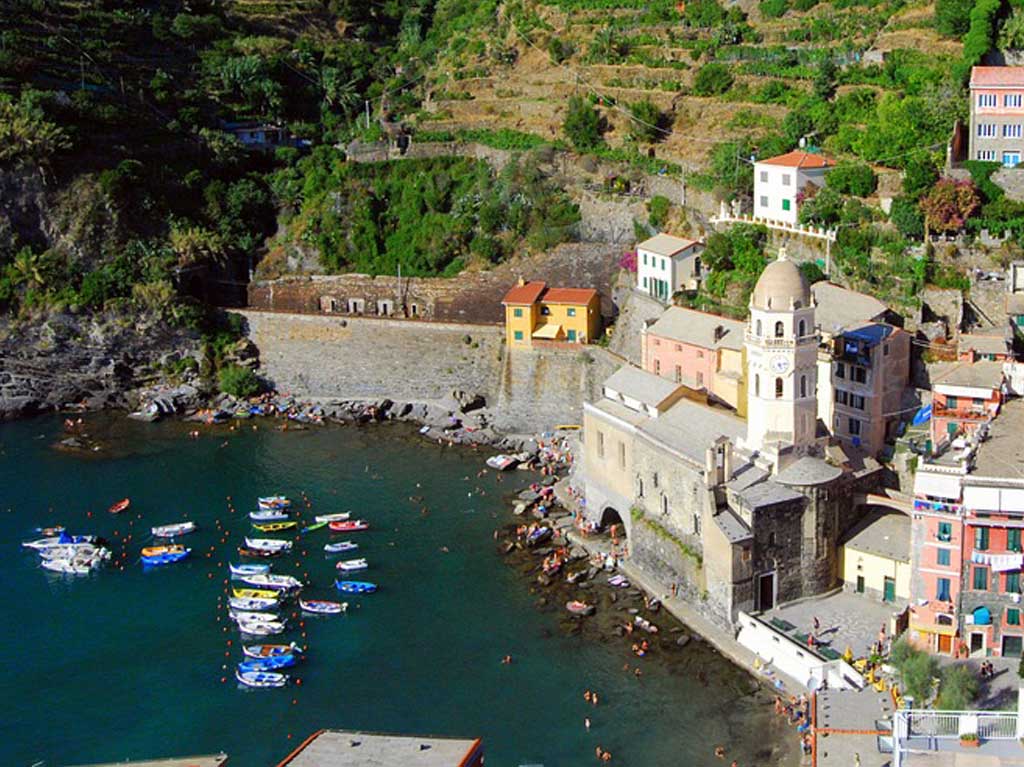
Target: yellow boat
{"points": [[273, 527], [156, 551], [255, 593]]}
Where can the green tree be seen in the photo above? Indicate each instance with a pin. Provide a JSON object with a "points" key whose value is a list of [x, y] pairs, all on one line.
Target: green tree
{"points": [[646, 124], [704, 13], [713, 79], [907, 218], [952, 17], [823, 208], [1011, 36], [238, 381], [919, 175], [852, 178], [26, 136], [825, 79], [957, 689], [582, 125], [915, 667], [658, 209]]}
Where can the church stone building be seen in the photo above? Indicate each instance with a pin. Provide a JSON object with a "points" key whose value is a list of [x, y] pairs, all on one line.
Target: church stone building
{"points": [[739, 515]]}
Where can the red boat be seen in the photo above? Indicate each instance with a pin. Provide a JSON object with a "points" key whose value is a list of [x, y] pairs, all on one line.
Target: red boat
{"points": [[257, 553], [349, 526], [120, 506]]}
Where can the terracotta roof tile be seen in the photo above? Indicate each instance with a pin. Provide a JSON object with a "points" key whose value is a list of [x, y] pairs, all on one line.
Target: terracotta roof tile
{"points": [[568, 295], [799, 159], [982, 77], [525, 294]]}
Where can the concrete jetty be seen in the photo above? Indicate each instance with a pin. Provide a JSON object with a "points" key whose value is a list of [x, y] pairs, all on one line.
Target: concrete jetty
{"points": [[213, 760]]}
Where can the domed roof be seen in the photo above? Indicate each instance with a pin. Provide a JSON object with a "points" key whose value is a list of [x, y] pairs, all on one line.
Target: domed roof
{"points": [[782, 286]]}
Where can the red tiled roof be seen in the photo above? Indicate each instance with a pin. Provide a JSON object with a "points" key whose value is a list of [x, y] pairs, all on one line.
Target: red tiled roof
{"points": [[982, 77], [799, 159], [525, 294], [569, 295]]}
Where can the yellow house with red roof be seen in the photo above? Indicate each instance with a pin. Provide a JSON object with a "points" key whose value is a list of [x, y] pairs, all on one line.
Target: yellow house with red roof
{"points": [[533, 311]]}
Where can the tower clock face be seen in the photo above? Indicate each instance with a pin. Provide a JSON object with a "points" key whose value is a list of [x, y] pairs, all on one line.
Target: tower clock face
{"points": [[779, 364]]}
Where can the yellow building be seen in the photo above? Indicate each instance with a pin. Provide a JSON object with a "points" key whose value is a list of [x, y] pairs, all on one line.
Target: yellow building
{"points": [[875, 557], [533, 311]]}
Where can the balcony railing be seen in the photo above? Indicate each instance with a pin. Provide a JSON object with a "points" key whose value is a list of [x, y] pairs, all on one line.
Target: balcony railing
{"points": [[966, 414], [919, 729]]}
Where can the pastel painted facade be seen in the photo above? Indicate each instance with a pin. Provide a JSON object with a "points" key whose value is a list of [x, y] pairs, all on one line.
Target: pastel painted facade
{"points": [[701, 351], [964, 397], [780, 182], [666, 264], [875, 558], [535, 312], [996, 130], [991, 346]]}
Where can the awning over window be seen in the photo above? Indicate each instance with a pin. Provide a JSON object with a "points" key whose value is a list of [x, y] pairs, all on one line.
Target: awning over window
{"points": [[937, 485], [549, 331], [982, 616]]}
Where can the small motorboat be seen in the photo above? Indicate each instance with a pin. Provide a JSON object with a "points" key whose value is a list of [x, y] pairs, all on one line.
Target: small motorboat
{"points": [[250, 616], [268, 544], [164, 555], [253, 604], [577, 607], [314, 526], [261, 679], [340, 546], [342, 517], [255, 594], [539, 536], [269, 502], [66, 566], [273, 527], [258, 553], [351, 565], [271, 581], [355, 587], [349, 526], [502, 462], [170, 531], [645, 624], [71, 551], [120, 506], [59, 540], [268, 516], [267, 664], [261, 628], [269, 650], [323, 607], [238, 571]]}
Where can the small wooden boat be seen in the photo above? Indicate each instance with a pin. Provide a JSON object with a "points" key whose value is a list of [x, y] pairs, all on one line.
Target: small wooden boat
{"points": [[120, 506], [72, 551], [253, 604], [539, 536], [164, 555], [355, 587], [269, 650], [170, 531], [577, 607], [332, 517], [237, 571], [273, 502], [267, 664], [268, 544], [273, 527], [261, 628], [502, 462], [312, 527], [268, 516], [271, 581], [258, 553], [253, 616], [351, 565], [323, 607], [260, 679], [349, 526], [255, 593], [340, 546]]}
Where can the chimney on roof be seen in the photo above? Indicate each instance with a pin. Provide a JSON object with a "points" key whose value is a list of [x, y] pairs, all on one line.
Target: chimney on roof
{"points": [[521, 281], [719, 332]]}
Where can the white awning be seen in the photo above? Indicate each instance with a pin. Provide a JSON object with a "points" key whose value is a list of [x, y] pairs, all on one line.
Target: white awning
{"points": [[1011, 500], [982, 498], [937, 485]]}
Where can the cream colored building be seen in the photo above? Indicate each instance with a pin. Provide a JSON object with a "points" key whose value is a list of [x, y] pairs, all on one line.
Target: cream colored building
{"points": [[875, 557]]}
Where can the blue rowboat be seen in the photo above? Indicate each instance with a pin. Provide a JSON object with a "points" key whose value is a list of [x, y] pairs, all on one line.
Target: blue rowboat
{"points": [[261, 678], [241, 571], [167, 556], [356, 587], [268, 664], [270, 650]]}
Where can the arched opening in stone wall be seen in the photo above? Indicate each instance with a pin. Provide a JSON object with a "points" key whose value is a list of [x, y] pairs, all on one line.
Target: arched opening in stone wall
{"points": [[610, 518]]}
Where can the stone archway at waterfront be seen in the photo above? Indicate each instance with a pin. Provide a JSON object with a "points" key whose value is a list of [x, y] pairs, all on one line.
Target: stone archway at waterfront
{"points": [[611, 516]]}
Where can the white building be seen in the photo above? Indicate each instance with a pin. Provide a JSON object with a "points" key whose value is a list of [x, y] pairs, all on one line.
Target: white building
{"points": [[666, 264], [778, 182], [782, 357]]}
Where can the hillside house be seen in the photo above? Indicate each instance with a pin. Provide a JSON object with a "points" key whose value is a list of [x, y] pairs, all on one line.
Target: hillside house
{"points": [[996, 131], [781, 182], [666, 264]]}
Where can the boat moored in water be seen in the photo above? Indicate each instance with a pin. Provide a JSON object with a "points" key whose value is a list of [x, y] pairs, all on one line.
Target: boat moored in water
{"points": [[237, 571], [323, 607], [255, 594], [170, 531], [272, 581], [261, 628], [269, 650], [340, 546], [253, 604], [355, 587], [349, 526], [271, 515], [341, 517], [268, 502], [120, 506], [164, 555], [273, 527], [268, 544], [268, 664], [351, 565], [502, 462], [260, 679]]}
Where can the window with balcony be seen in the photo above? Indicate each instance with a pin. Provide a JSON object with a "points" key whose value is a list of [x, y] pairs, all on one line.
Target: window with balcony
{"points": [[942, 557], [980, 582], [1012, 100], [942, 589], [1013, 540], [945, 532], [986, 99], [981, 539]]}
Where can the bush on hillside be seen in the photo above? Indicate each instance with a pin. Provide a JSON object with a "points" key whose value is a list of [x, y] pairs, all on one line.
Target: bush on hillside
{"points": [[647, 122], [657, 210], [559, 50], [773, 9], [949, 204], [981, 36], [919, 175], [856, 179], [952, 17], [712, 79], [907, 218], [238, 381], [704, 13], [582, 125], [958, 689]]}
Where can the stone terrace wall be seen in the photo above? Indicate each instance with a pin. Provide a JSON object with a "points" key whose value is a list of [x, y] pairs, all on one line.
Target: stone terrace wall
{"points": [[470, 297]]}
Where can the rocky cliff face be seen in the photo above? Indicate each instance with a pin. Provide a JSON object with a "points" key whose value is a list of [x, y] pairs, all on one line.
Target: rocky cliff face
{"points": [[95, 361]]}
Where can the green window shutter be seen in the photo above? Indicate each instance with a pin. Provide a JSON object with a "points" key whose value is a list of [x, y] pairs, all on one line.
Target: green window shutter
{"points": [[1012, 584], [1013, 540], [942, 557], [980, 579], [785, 204], [519, 335], [1012, 616], [981, 538]]}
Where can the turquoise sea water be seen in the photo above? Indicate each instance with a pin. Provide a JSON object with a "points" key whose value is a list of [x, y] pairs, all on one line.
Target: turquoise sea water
{"points": [[128, 664]]}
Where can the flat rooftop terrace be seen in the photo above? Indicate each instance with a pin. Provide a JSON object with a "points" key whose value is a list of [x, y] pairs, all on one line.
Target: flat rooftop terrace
{"points": [[1002, 454], [351, 748]]}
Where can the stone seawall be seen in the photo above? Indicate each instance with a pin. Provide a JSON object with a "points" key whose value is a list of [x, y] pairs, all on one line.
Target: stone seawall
{"points": [[334, 358]]}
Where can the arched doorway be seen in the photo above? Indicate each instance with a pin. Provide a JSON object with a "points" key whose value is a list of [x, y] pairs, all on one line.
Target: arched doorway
{"points": [[613, 523]]}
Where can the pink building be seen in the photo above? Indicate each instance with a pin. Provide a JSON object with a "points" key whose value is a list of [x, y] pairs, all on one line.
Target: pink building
{"points": [[965, 396], [996, 132], [699, 350]]}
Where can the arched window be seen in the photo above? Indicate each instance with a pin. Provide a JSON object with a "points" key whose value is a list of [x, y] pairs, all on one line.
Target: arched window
{"points": [[664, 504], [758, 331], [757, 385], [778, 388], [779, 329], [803, 386], [803, 328]]}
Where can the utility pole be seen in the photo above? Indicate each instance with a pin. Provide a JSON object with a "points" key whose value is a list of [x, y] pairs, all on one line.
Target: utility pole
{"points": [[366, 103]]}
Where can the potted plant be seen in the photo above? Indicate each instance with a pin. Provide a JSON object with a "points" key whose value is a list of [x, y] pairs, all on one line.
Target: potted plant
{"points": [[970, 740]]}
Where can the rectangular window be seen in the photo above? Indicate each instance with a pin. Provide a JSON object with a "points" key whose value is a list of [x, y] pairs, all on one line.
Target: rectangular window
{"points": [[657, 367], [885, 350], [981, 538], [600, 444], [518, 335], [840, 370], [942, 557], [785, 204], [664, 264], [764, 179], [951, 403], [764, 201], [945, 531], [1013, 540], [980, 579], [645, 283], [622, 455], [787, 179], [645, 259], [1012, 130], [858, 374], [854, 427], [517, 312], [857, 401], [942, 589], [571, 311], [986, 130], [986, 99], [987, 155], [842, 397], [1012, 616], [1012, 100], [1011, 583], [679, 373], [1011, 159]]}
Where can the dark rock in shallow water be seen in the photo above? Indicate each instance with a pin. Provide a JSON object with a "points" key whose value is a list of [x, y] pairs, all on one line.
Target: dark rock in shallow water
{"points": [[683, 640]]}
